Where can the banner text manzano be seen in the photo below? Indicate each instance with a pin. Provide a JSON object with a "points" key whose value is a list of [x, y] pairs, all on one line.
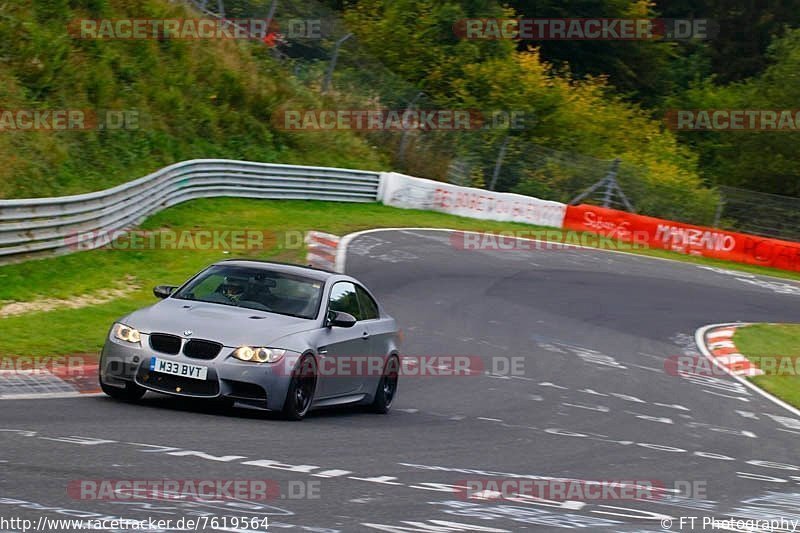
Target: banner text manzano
{"points": [[686, 238]]}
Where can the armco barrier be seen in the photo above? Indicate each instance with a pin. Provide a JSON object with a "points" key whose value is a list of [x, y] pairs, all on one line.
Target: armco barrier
{"points": [[684, 238], [44, 226]]}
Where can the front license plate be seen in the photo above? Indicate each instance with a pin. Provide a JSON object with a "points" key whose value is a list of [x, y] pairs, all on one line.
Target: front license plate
{"points": [[178, 369]]}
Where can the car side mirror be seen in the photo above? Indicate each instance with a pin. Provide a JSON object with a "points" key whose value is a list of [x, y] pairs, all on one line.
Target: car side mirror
{"points": [[340, 319], [162, 291]]}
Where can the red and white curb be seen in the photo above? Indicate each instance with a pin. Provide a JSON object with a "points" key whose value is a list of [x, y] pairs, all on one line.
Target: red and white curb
{"points": [[715, 342], [322, 249], [49, 383], [720, 343]]}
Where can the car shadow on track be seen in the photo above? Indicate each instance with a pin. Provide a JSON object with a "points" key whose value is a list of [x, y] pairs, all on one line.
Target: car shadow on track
{"points": [[218, 408]]}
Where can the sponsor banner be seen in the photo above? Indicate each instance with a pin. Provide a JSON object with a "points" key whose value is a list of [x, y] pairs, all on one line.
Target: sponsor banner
{"points": [[407, 192], [685, 238]]}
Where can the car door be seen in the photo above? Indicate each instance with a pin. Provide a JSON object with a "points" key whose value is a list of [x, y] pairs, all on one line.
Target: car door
{"points": [[340, 348], [380, 334]]}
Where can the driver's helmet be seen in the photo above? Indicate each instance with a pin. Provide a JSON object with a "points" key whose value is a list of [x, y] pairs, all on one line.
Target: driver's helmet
{"points": [[234, 287]]}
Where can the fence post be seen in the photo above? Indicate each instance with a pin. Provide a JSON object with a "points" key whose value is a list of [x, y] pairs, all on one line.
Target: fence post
{"points": [[401, 150], [718, 213], [499, 163], [328, 75], [271, 14], [611, 183]]}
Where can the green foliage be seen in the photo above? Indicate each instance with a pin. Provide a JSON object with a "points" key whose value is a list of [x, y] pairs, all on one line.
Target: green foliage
{"points": [[193, 99], [746, 30], [762, 160], [775, 347], [641, 70], [582, 116]]}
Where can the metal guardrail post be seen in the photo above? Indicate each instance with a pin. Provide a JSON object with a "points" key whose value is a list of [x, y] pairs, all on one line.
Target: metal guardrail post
{"points": [[718, 211], [498, 165], [329, 74], [401, 150], [611, 183], [610, 186]]}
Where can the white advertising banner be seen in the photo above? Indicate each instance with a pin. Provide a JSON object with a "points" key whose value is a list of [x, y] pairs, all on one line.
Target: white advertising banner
{"points": [[408, 192]]}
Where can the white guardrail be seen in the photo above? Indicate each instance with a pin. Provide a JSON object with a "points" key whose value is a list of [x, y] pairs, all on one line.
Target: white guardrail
{"points": [[46, 226], [51, 226]]}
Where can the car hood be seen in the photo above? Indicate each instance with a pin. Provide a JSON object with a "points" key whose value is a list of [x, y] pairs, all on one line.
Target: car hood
{"points": [[231, 326]]}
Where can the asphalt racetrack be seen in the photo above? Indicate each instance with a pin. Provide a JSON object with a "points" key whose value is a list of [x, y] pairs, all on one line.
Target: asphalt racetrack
{"points": [[588, 399]]}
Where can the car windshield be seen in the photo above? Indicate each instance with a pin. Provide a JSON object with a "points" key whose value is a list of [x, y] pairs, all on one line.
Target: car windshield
{"points": [[255, 288]]}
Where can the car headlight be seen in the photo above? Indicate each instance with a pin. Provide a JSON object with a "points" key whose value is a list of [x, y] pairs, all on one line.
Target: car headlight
{"points": [[258, 354], [127, 334]]}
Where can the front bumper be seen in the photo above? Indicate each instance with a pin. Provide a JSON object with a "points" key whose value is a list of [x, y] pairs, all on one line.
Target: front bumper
{"points": [[258, 385]]}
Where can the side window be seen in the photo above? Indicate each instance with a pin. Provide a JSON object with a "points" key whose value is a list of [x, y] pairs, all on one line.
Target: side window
{"points": [[344, 298], [208, 286], [369, 308]]}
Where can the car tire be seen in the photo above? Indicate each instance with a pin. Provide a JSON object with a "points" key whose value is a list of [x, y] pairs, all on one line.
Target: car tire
{"points": [[130, 393], [301, 389], [387, 387]]}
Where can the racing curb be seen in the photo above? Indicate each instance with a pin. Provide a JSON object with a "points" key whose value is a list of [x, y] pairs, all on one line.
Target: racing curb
{"points": [[719, 342], [715, 342], [58, 382], [322, 249]]}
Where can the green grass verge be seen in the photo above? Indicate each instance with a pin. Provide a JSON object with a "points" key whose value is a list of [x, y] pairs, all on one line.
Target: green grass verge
{"points": [[777, 345], [67, 331]]}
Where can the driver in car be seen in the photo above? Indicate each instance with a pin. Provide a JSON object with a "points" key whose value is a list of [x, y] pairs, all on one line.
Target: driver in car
{"points": [[233, 288]]}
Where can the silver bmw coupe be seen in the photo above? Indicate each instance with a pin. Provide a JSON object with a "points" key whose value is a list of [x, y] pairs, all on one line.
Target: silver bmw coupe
{"points": [[268, 335]]}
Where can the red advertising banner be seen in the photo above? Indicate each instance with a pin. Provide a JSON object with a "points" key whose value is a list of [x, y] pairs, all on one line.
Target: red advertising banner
{"points": [[684, 238]]}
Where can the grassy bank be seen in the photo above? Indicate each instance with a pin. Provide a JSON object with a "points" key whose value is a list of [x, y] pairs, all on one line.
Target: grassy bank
{"points": [[776, 347], [182, 99], [91, 276]]}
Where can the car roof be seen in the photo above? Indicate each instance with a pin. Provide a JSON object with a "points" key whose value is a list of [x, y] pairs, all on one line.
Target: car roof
{"points": [[284, 268]]}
